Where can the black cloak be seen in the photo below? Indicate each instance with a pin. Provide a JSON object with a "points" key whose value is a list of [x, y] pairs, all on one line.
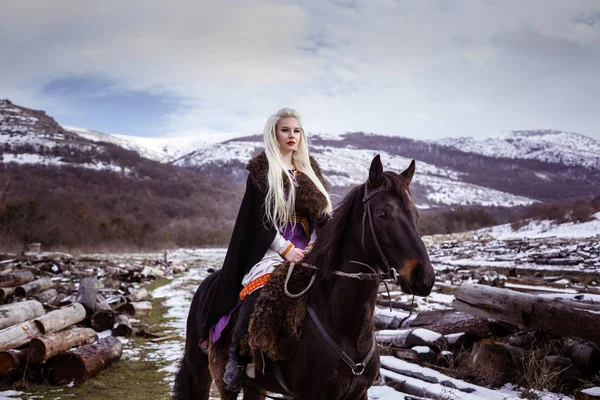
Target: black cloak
{"points": [[250, 240]]}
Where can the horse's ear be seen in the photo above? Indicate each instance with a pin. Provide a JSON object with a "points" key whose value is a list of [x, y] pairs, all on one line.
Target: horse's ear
{"points": [[409, 172], [376, 170]]}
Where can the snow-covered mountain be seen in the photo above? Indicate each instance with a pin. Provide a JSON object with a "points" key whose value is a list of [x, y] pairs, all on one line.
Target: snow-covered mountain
{"points": [[512, 169], [347, 166], [32, 137], [546, 145], [161, 149]]}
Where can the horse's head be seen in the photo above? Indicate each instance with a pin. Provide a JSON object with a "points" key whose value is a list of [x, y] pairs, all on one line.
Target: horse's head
{"points": [[389, 229]]}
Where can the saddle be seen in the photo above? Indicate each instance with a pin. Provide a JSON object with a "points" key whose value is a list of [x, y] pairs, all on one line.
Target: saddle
{"points": [[277, 321]]}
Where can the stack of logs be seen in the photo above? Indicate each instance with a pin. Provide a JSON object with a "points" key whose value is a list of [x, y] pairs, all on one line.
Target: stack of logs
{"points": [[496, 335], [48, 320]]}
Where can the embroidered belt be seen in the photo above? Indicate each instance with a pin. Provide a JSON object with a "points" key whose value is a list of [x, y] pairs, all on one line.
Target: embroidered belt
{"points": [[253, 285]]}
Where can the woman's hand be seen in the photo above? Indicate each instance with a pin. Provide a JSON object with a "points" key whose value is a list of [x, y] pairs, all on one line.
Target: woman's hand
{"points": [[295, 255]]}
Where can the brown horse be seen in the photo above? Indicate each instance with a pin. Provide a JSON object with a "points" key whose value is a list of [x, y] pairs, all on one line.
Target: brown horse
{"points": [[373, 232]]}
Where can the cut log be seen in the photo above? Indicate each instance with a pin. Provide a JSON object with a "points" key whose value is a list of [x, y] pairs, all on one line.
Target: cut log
{"points": [[136, 308], [16, 278], [17, 335], [44, 347], [85, 362], [12, 314], [411, 337], [87, 293], [497, 363], [6, 292], [584, 355], [122, 327], [12, 361], [104, 317], [424, 353], [450, 321], [39, 285], [152, 273], [46, 295], [563, 318], [407, 355], [60, 319], [395, 304], [565, 372], [588, 394], [138, 295]]}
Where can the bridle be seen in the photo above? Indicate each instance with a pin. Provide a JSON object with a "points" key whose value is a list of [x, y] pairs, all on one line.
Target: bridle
{"points": [[390, 273]]}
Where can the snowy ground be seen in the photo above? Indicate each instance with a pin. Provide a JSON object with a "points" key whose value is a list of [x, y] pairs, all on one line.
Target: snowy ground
{"points": [[178, 293]]}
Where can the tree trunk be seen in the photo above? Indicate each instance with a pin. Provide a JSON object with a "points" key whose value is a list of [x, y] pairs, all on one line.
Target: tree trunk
{"points": [[18, 335], [60, 319], [85, 362], [122, 327], [16, 278], [563, 318], [39, 285], [12, 314], [12, 361], [44, 347], [104, 316], [87, 293]]}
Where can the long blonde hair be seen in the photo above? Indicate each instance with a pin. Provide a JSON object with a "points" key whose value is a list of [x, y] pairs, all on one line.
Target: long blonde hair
{"points": [[278, 210]]}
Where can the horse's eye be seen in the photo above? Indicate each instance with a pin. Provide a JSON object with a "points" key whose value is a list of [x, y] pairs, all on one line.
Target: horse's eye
{"points": [[381, 214]]}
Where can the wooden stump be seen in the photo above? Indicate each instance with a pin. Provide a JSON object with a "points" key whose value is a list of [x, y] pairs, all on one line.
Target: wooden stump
{"points": [[104, 317], [60, 319], [12, 314], [85, 362], [44, 347], [87, 293]]}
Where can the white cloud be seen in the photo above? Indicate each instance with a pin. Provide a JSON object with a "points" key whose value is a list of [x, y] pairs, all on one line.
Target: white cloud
{"points": [[430, 68]]}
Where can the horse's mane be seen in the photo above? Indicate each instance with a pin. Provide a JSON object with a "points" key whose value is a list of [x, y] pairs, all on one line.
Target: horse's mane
{"points": [[326, 252]]}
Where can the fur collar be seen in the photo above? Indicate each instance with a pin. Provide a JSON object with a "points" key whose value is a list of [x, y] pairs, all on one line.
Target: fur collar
{"points": [[310, 202]]}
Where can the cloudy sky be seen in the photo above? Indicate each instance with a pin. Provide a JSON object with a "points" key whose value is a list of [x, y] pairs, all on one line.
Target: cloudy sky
{"points": [[420, 68]]}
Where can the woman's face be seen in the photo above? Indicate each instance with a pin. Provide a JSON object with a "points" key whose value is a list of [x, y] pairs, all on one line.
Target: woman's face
{"points": [[288, 132]]}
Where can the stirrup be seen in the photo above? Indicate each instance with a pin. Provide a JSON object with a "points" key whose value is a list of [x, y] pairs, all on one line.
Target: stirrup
{"points": [[236, 382]]}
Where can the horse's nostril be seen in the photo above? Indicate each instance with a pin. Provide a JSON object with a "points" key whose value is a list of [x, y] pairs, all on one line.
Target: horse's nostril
{"points": [[418, 273]]}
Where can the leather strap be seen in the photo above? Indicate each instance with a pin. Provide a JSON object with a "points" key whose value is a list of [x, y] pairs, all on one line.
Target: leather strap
{"points": [[357, 368]]}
